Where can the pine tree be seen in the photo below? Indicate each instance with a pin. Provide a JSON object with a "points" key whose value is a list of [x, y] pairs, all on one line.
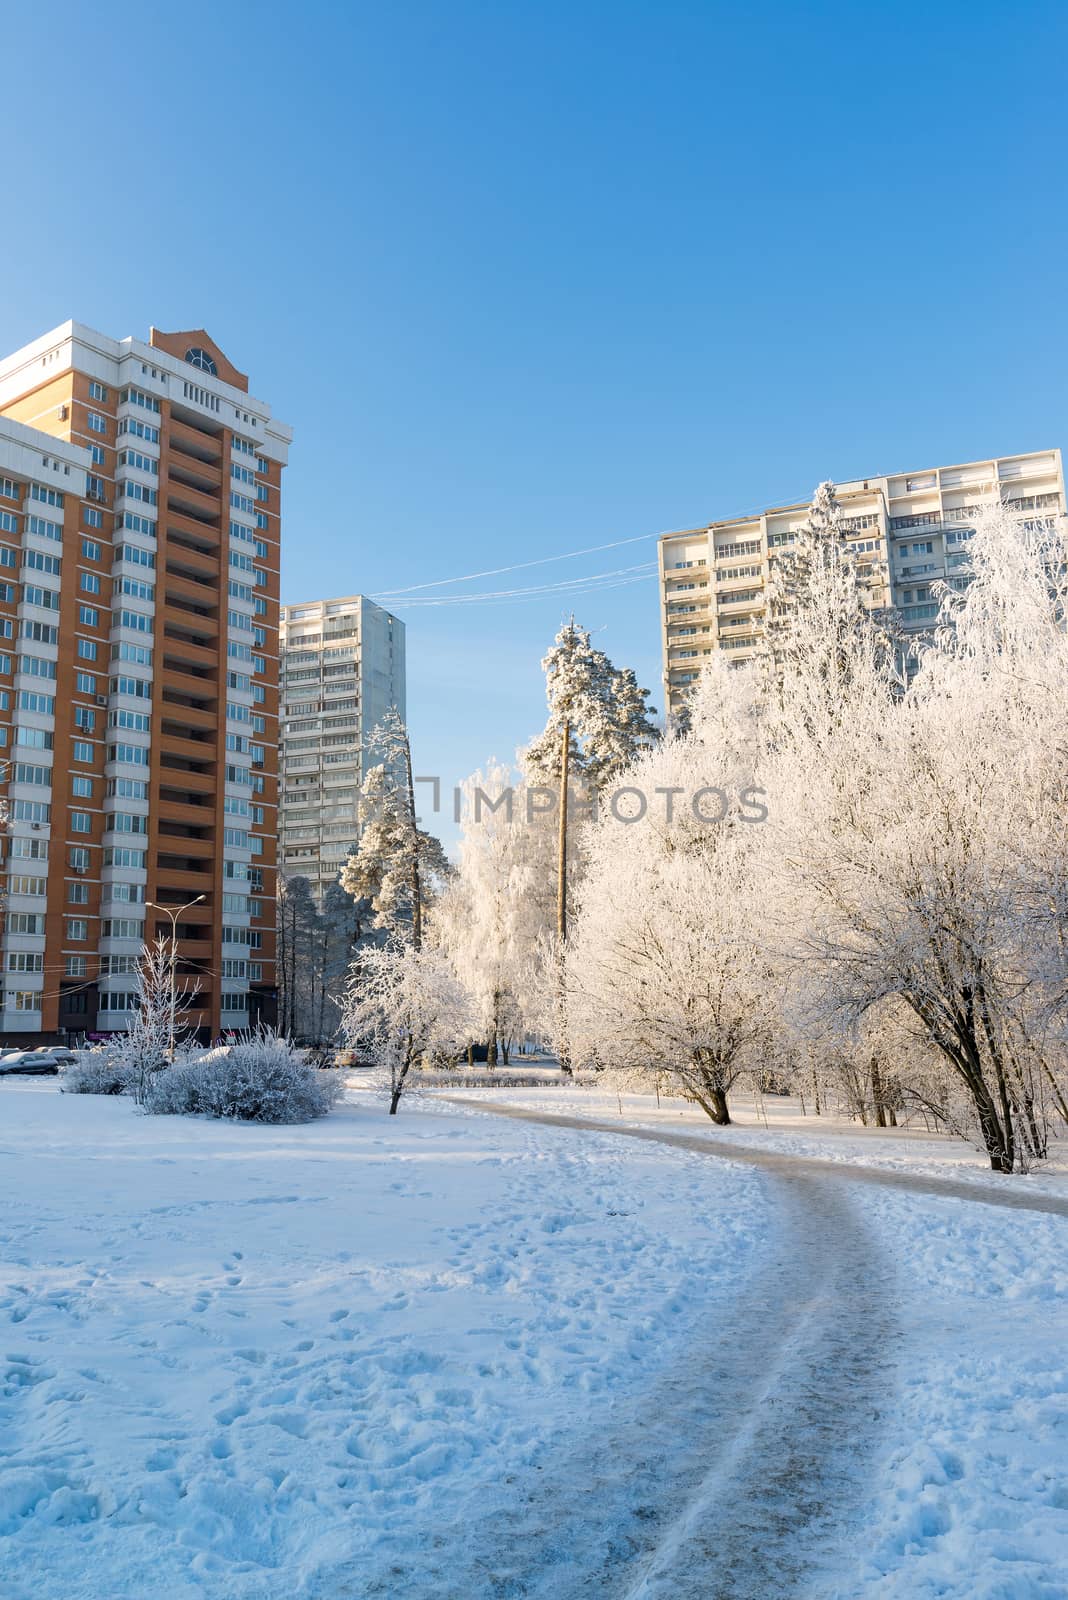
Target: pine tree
{"points": [[394, 864]]}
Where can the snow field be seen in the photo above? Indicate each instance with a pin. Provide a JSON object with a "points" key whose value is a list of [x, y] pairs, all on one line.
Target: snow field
{"points": [[242, 1361]]}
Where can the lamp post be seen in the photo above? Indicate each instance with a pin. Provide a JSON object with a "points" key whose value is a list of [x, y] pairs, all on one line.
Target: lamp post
{"points": [[154, 905]]}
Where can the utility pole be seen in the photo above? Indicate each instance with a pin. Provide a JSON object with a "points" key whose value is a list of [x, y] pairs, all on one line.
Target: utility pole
{"points": [[174, 915]]}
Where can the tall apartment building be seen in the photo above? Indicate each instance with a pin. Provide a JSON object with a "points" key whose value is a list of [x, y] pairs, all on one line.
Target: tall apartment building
{"points": [[342, 670], [909, 531], [139, 538]]}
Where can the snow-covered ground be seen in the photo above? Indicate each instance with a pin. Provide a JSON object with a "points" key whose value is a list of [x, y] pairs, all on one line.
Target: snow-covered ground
{"points": [[447, 1354]]}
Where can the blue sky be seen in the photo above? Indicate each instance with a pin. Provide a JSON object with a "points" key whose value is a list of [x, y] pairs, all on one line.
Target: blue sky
{"points": [[531, 278]]}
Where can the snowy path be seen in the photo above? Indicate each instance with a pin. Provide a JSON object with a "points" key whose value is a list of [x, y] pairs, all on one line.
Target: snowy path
{"points": [[998, 1192], [745, 1457]]}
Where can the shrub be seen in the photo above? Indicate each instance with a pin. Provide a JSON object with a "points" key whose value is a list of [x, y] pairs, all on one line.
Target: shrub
{"points": [[97, 1072], [261, 1078]]}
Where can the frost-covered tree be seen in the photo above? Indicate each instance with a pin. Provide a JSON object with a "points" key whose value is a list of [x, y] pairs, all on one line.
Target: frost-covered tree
{"points": [[492, 911], [890, 877], [395, 864], [598, 722], [665, 970], [159, 1023], [404, 1004]]}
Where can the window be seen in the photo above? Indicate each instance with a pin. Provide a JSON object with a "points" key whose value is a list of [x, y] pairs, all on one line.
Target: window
{"points": [[33, 738], [127, 822], [138, 524], [37, 666], [9, 523], [123, 856], [77, 929], [140, 491], [81, 822], [134, 458], [25, 961], [118, 965], [121, 928], [7, 592], [90, 550], [75, 966], [80, 751], [19, 884], [87, 649], [97, 454], [31, 922], [85, 683], [134, 755], [140, 430], [134, 397], [48, 497], [78, 893], [92, 517], [8, 557], [88, 617], [42, 562], [242, 502], [47, 599], [140, 688], [139, 621], [31, 811], [30, 700], [43, 632], [84, 718], [90, 582], [127, 789], [96, 422], [82, 786], [137, 654], [242, 474], [133, 721], [136, 554], [22, 1000], [117, 1001], [44, 529], [23, 772], [78, 858], [97, 391], [137, 589]]}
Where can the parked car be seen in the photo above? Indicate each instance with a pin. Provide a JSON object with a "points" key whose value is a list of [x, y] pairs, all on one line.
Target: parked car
{"points": [[344, 1058], [58, 1051], [29, 1063]]}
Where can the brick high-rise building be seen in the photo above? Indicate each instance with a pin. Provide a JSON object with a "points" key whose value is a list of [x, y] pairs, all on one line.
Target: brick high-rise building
{"points": [[139, 542]]}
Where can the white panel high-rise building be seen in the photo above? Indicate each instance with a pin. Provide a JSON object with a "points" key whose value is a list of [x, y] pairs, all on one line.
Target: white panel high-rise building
{"points": [[342, 670], [909, 531]]}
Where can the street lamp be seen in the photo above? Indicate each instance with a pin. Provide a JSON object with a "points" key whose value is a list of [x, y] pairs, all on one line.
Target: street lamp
{"points": [[154, 905]]}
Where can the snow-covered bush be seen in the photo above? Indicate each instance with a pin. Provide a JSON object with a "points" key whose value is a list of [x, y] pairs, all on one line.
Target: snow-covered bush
{"points": [[104, 1071], [261, 1078]]}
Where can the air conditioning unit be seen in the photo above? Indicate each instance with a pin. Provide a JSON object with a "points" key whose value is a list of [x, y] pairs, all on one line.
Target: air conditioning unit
{"points": [[101, 699], [63, 413]]}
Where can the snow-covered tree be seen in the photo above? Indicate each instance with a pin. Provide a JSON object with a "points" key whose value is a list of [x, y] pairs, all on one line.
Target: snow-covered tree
{"points": [[664, 968], [159, 1023], [404, 1004], [598, 722], [888, 864], [492, 911], [395, 865]]}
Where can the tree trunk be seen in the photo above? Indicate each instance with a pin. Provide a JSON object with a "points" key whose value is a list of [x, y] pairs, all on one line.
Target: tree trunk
{"points": [[471, 1054], [416, 885], [877, 1094], [491, 1050], [561, 843], [398, 1086]]}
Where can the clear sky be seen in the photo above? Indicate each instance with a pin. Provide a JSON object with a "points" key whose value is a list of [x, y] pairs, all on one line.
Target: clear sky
{"points": [[531, 277]]}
